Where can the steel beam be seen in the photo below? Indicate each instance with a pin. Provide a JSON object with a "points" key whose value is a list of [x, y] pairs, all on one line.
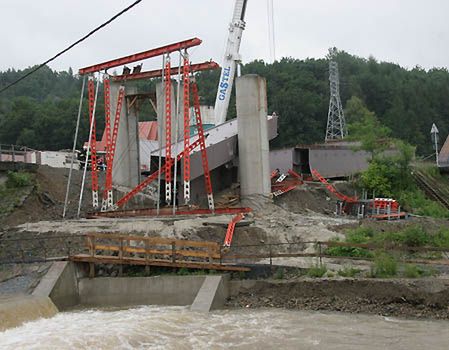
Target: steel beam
{"points": [[158, 72], [141, 56], [166, 212]]}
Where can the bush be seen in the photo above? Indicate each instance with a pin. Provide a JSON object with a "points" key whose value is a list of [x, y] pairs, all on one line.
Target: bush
{"points": [[384, 266], [417, 203], [441, 238], [317, 271], [414, 271], [348, 271], [279, 273], [415, 236], [359, 235], [18, 179]]}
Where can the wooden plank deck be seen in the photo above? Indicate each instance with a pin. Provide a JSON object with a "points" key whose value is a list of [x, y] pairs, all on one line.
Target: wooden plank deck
{"points": [[152, 251]]}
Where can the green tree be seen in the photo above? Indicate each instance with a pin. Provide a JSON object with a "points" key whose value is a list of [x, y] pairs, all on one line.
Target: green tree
{"points": [[366, 128]]}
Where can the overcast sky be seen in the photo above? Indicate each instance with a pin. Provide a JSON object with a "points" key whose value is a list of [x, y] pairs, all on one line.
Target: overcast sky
{"points": [[408, 32]]}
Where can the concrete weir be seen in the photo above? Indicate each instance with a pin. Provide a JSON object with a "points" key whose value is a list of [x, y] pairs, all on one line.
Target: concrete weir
{"points": [[66, 286]]}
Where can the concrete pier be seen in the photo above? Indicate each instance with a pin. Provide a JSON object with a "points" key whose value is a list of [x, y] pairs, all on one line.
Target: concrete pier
{"points": [[160, 106], [211, 295], [254, 165], [126, 168]]}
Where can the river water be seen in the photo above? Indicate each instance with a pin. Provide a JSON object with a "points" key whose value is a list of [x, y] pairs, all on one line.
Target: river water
{"points": [[151, 327]]}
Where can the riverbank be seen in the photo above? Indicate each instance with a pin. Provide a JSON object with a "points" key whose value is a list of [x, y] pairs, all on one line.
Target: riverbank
{"points": [[414, 298]]}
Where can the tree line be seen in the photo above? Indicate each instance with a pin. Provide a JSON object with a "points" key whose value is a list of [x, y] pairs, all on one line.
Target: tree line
{"points": [[40, 112]]}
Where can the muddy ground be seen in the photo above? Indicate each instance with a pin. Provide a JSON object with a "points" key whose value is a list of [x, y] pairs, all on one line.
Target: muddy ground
{"points": [[423, 298], [304, 214]]}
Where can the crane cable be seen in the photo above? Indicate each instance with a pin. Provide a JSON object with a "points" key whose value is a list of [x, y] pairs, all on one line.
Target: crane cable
{"points": [[271, 33], [72, 45]]}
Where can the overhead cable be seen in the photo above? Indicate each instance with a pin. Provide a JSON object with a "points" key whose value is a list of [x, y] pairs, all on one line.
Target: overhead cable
{"points": [[71, 46]]}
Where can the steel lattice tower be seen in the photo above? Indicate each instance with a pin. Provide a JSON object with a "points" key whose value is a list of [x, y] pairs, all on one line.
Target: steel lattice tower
{"points": [[336, 124]]}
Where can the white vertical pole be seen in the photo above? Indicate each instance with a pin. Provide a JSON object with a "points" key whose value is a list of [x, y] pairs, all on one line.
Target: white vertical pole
{"points": [[436, 149], [74, 148], [88, 147]]}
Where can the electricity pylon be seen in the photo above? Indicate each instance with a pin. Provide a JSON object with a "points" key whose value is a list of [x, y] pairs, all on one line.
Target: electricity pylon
{"points": [[336, 124]]}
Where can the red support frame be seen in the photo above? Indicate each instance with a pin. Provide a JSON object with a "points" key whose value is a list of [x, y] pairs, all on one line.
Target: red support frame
{"points": [[111, 150], [186, 83], [158, 72], [168, 159], [231, 228], [202, 139], [141, 56], [107, 130]]}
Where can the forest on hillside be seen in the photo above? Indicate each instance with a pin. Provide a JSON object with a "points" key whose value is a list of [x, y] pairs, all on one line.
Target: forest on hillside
{"points": [[40, 112]]}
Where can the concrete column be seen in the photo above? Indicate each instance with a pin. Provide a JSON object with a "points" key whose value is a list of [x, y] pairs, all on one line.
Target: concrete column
{"points": [[254, 165], [160, 106], [126, 168]]}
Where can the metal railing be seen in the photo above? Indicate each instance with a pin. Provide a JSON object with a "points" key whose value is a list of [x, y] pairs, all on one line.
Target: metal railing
{"points": [[62, 247]]}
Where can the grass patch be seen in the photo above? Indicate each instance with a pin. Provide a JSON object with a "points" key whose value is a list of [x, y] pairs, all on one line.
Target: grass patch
{"points": [[415, 271], [348, 271], [18, 179], [384, 266], [317, 271], [418, 204], [361, 235]]}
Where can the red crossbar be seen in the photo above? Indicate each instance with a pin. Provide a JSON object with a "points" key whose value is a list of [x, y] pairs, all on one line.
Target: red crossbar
{"points": [[333, 189], [158, 72], [141, 56], [152, 177], [231, 228]]}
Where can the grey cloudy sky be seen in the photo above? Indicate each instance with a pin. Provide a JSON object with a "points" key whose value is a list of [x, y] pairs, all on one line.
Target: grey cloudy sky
{"points": [[408, 32]]}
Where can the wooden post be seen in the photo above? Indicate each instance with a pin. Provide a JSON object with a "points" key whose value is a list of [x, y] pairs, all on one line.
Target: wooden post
{"points": [[271, 258], [13, 153], [173, 252], [319, 252], [147, 258], [120, 256], [91, 270]]}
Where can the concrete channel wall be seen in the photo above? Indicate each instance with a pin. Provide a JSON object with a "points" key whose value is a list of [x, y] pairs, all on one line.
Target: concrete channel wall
{"points": [[126, 291], [65, 286]]}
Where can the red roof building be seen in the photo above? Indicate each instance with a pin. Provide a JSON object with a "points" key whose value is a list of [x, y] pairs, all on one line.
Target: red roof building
{"points": [[147, 131]]}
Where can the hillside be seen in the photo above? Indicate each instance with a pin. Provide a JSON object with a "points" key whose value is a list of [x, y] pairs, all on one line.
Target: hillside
{"points": [[40, 112]]}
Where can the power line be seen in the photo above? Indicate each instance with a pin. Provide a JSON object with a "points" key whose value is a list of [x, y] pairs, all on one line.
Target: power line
{"points": [[72, 45]]}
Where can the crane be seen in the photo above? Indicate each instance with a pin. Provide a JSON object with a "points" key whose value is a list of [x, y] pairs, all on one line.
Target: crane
{"points": [[230, 63]]}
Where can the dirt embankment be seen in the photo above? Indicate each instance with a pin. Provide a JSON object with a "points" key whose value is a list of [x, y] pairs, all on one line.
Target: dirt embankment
{"points": [[425, 298], [46, 200]]}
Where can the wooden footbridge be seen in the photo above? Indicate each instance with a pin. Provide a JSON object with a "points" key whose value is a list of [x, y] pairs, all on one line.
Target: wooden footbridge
{"points": [[152, 251]]}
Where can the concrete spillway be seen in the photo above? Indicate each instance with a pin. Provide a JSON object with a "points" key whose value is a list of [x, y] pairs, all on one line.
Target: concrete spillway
{"points": [[66, 286]]}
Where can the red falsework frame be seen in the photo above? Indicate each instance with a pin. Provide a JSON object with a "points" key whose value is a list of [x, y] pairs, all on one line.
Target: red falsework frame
{"points": [[141, 56], [197, 67]]}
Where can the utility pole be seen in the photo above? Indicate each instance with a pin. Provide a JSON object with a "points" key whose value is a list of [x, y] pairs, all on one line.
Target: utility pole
{"points": [[336, 124], [434, 135]]}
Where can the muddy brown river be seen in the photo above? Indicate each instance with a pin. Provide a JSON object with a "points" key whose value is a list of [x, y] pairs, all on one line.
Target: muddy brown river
{"points": [[151, 327]]}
